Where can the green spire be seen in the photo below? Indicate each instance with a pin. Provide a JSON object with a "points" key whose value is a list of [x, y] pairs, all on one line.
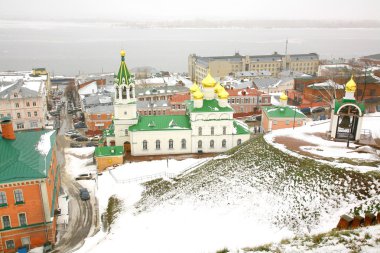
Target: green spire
{"points": [[123, 75]]}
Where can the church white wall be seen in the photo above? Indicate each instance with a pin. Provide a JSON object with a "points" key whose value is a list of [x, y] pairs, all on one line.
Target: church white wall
{"points": [[125, 111], [137, 139]]}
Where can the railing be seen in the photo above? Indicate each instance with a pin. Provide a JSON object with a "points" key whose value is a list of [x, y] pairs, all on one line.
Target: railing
{"points": [[366, 133], [156, 175]]}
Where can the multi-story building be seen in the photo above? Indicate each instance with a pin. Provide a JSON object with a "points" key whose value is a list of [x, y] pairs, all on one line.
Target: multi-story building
{"points": [[153, 107], [25, 103], [98, 118], [159, 93], [246, 102], [220, 66], [29, 188]]}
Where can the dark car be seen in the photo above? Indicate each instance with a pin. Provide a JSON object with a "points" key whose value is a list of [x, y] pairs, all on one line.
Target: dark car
{"points": [[80, 125], [84, 194], [85, 176], [74, 136], [317, 109], [92, 144], [81, 138], [75, 145]]}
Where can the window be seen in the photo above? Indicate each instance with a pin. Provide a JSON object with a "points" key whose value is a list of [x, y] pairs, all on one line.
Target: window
{"points": [[99, 116], [20, 125], [18, 115], [6, 222], [274, 122], [170, 144], [126, 132], [34, 103], [212, 130], [125, 113], [372, 92], [224, 130], [17, 105], [287, 122], [199, 144], [199, 131], [35, 113], [212, 144], [224, 142], [15, 95], [10, 244], [145, 145], [33, 124], [25, 241], [22, 219], [3, 199], [183, 143], [29, 114], [238, 141], [27, 104], [19, 198], [158, 144]]}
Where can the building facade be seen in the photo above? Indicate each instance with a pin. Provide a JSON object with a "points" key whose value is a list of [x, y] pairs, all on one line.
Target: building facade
{"points": [[29, 188], [25, 103], [207, 127], [220, 66], [282, 116], [247, 102]]}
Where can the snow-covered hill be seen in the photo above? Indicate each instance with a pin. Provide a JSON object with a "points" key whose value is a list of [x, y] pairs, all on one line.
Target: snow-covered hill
{"points": [[254, 195]]}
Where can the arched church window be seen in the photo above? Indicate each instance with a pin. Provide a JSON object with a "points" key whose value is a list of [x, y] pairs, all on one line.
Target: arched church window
{"points": [[158, 144], [170, 144], [117, 92], [131, 91], [199, 130], [199, 144], [145, 145], [124, 93], [238, 141], [224, 142], [212, 144], [183, 143]]}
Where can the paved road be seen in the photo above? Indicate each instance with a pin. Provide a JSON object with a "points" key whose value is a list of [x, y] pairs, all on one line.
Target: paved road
{"points": [[80, 212]]}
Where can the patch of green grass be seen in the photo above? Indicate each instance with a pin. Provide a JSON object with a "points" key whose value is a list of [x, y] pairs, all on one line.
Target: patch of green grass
{"points": [[367, 236], [225, 250], [265, 247]]}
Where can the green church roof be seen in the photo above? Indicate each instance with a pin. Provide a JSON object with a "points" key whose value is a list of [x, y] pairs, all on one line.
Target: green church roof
{"points": [[109, 151], [340, 103], [123, 76], [20, 160], [161, 123], [240, 128], [208, 106], [283, 112]]}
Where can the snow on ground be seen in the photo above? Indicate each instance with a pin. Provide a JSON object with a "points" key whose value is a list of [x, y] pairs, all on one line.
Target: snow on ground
{"points": [[231, 201], [312, 132]]}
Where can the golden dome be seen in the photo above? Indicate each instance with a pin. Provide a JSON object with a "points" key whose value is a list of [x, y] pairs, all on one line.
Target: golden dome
{"points": [[208, 82], [194, 88], [284, 97], [218, 88], [351, 85], [122, 53], [223, 94], [198, 95]]}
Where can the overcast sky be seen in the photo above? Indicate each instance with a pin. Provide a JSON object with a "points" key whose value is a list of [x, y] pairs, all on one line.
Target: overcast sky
{"points": [[191, 9]]}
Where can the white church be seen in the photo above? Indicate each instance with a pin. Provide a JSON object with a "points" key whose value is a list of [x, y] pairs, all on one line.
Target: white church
{"points": [[207, 127]]}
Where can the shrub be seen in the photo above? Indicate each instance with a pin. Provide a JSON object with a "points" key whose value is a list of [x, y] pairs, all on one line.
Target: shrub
{"points": [[114, 207]]}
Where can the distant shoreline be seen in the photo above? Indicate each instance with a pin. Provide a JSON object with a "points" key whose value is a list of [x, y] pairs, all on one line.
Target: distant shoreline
{"points": [[203, 24]]}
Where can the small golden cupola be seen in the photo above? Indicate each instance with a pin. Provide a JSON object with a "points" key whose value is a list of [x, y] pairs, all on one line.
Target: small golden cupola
{"points": [[194, 87], [283, 99], [208, 86], [218, 88], [223, 97], [208, 81], [350, 89], [198, 99]]}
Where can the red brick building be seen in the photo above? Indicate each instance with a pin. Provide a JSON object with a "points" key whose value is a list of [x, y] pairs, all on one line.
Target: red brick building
{"points": [[98, 118], [29, 188], [247, 102], [308, 92]]}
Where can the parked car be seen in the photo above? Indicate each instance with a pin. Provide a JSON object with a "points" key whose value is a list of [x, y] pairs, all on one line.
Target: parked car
{"points": [[71, 132], [92, 144], [317, 109], [81, 138], [84, 194], [75, 145], [85, 176], [95, 138], [80, 125], [74, 136]]}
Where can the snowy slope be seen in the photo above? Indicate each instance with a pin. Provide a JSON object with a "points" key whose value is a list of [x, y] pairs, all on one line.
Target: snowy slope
{"points": [[254, 196]]}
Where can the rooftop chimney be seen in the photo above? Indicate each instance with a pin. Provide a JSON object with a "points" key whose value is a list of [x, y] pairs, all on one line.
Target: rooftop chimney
{"points": [[7, 129]]}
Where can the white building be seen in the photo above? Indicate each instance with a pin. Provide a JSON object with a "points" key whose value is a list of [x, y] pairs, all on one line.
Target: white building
{"points": [[207, 127]]}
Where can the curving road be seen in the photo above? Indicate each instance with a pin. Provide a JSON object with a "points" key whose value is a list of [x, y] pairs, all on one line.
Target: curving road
{"points": [[80, 212]]}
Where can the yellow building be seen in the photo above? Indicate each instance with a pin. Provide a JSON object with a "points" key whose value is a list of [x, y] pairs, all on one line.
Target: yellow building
{"points": [[224, 65]]}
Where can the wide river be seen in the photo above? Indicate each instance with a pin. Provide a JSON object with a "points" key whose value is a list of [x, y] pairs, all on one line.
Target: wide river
{"points": [[74, 48]]}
